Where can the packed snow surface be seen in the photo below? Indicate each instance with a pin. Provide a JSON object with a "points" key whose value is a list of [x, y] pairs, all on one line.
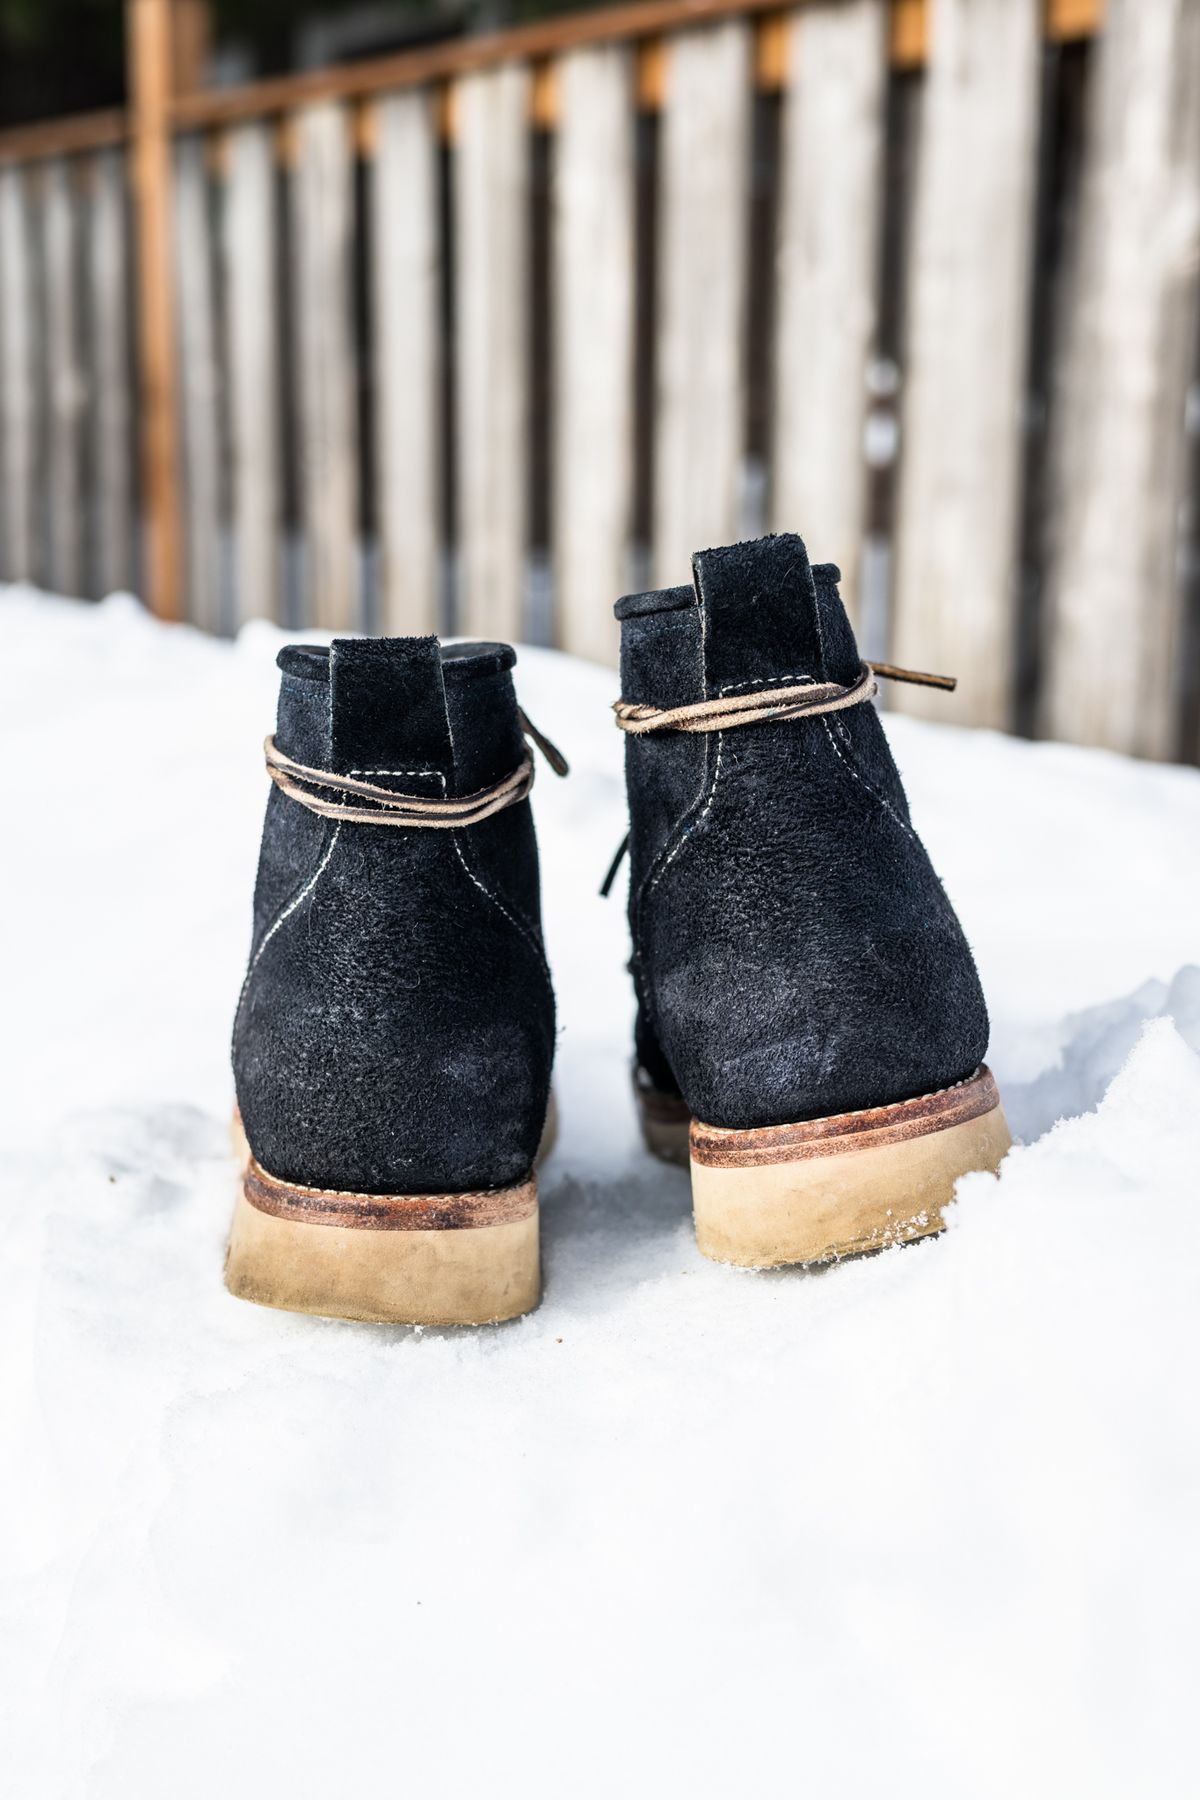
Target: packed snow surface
{"points": [[925, 1524]]}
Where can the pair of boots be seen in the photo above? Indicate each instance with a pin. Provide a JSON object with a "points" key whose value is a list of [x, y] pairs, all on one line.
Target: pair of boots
{"points": [[810, 1027]]}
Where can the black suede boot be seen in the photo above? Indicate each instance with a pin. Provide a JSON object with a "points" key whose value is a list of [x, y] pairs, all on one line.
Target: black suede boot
{"points": [[810, 1021], [394, 1036]]}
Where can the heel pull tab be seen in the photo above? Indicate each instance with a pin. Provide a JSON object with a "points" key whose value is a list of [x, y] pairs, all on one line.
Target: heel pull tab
{"points": [[761, 619], [387, 705]]}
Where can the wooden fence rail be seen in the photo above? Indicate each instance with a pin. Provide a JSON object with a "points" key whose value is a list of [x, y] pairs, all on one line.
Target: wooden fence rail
{"points": [[479, 336]]}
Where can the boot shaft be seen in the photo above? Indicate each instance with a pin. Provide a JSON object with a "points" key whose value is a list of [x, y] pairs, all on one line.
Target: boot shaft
{"points": [[794, 953], [415, 717], [758, 616], [396, 1027]]}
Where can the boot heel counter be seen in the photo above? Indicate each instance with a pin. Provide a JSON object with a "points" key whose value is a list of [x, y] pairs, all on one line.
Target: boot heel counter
{"points": [[842, 1185], [800, 957], [395, 1031]]}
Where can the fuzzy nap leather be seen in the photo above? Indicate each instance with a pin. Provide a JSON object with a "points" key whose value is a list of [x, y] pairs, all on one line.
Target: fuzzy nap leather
{"points": [[396, 1029], [794, 953]]}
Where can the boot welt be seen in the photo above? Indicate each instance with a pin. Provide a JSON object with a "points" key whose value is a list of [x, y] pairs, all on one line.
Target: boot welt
{"points": [[844, 1185]]}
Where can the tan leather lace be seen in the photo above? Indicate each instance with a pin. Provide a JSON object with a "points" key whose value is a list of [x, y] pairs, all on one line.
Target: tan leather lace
{"points": [[380, 806], [766, 705], [804, 700]]}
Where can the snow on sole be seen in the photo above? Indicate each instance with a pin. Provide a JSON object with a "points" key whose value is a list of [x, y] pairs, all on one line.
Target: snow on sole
{"points": [[838, 1186], [404, 1259]]}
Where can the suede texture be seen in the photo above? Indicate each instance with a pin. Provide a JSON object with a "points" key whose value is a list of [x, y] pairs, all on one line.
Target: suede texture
{"points": [[794, 953], [396, 1030]]}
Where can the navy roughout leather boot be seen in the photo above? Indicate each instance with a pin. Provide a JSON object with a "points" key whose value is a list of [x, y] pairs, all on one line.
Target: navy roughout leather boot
{"points": [[394, 1035], [810, 1022]]}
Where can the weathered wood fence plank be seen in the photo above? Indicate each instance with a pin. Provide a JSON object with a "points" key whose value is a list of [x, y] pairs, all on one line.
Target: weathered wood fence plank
{"points": [[64, 380], [594, 262], [197, 385], [965, 364], [111, 438], [252, 352], [18, 396], [323, 297], [492, 275], [211, 331], [704, 184], [407, 273], [1113, 595], [831, 206], [150, 80]]}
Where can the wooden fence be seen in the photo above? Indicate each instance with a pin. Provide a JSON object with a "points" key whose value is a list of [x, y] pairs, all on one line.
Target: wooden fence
{"points": [[480, 336]]}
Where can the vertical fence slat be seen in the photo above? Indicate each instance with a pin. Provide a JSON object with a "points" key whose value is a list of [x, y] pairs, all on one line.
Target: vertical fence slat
{"points": [[406, 273], [832, 164], [1113, 596], [148, 31], [111, 442], [252, 360], [492, 280], [594, 254], [197, 385], [965, 361], [65, 381], [18, 399], [324, 212], [704, 184]]}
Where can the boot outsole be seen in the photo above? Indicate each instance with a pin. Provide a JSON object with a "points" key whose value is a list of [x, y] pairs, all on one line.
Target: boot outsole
{"points": [[404, 1259], [845, 1185], [665, 1122]]}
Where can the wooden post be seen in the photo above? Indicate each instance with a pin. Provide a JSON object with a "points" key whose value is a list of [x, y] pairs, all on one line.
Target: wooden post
{"points": [[705, 177], [18, 391], [327, 419], [406, 275], [111, 440], [1113, 605], [492, 200], [594, 346], [831, 205], [191, 39], [197, 387], [252, 371], [965, 358], [148, 42], [65, 380]]}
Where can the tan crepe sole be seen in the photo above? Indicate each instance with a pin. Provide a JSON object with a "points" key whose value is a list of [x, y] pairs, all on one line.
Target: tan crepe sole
{"points": [[415, 1259], [839, 1186]]}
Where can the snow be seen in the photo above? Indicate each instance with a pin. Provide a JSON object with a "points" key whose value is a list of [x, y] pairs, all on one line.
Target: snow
{"points": [[924, 1524]]}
